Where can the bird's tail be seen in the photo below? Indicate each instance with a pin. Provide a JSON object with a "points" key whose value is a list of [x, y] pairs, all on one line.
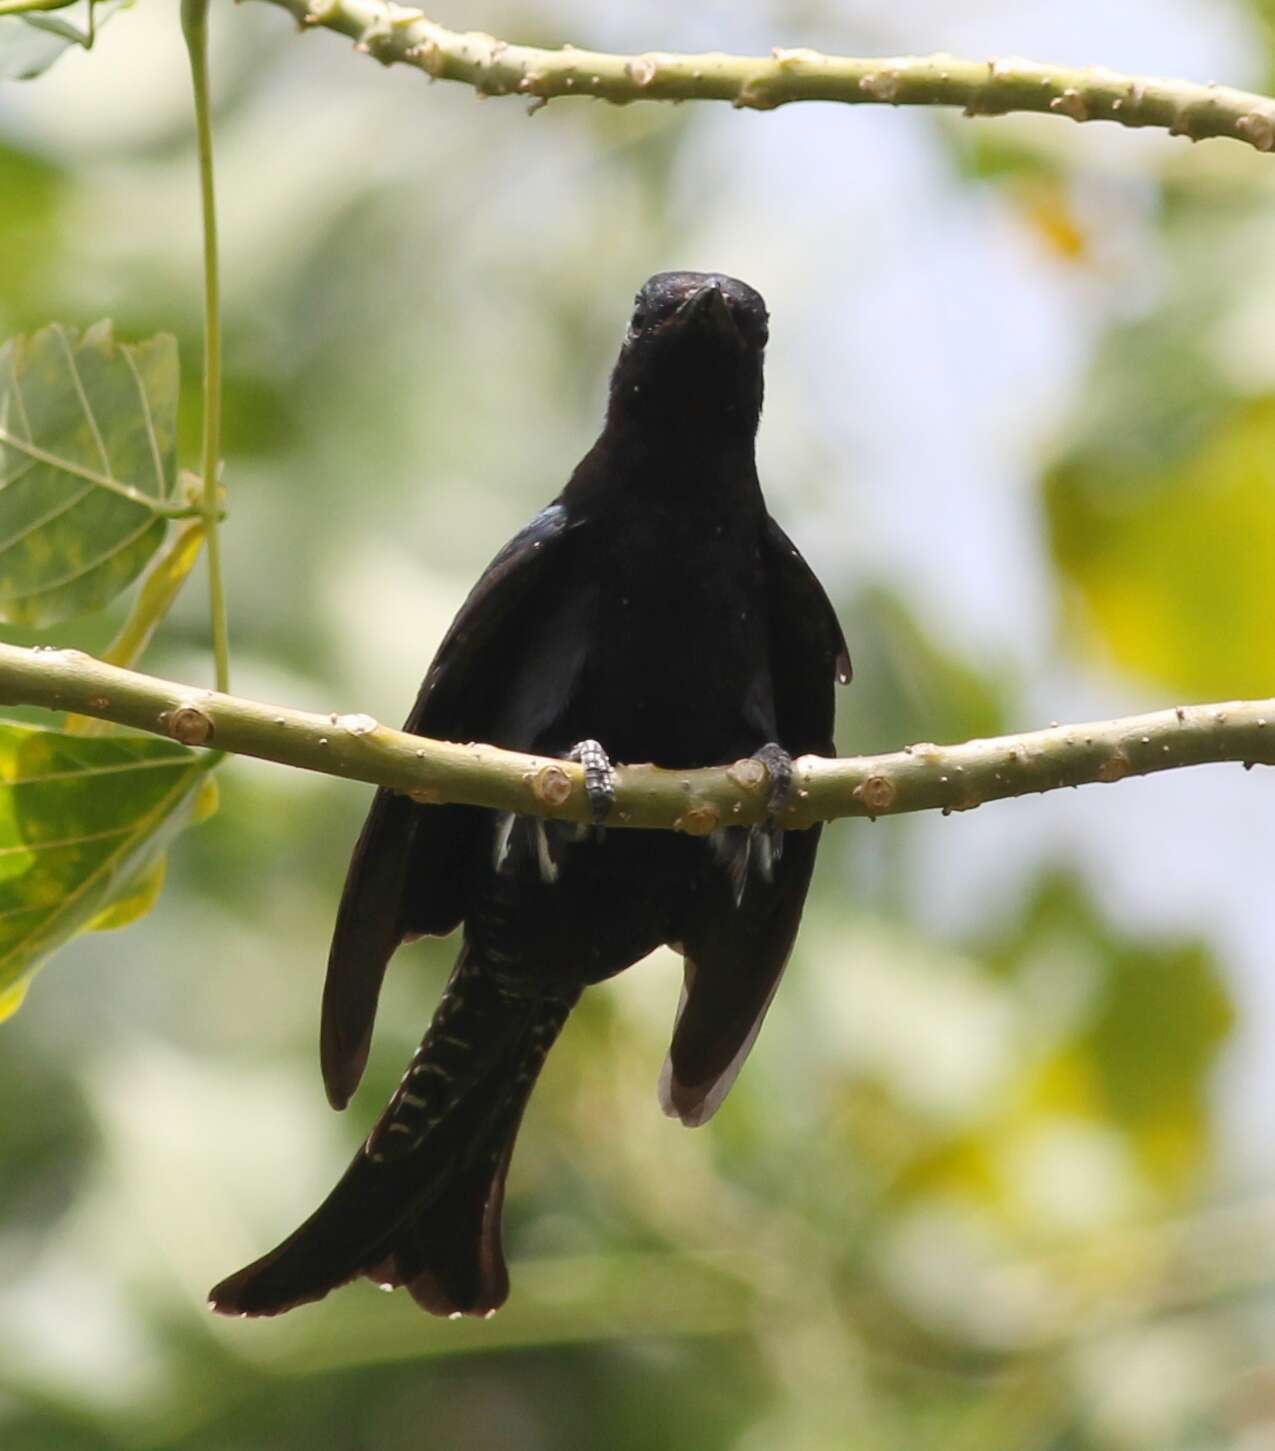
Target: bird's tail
{"points": [[420, 1205]]}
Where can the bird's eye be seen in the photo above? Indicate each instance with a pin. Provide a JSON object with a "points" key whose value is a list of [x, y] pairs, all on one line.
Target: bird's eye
{"points": [[639, 321]]}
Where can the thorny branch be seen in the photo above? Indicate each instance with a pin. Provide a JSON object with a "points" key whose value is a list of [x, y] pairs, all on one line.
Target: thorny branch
{"points": [[918, 778], [395, 34]]}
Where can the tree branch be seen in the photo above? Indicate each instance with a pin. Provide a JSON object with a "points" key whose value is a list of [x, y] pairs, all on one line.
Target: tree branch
{"points": [[393, 33], [918, 778]]}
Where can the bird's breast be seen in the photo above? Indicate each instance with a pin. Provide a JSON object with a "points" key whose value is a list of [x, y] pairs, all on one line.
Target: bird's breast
{"points": [[677, 647]]}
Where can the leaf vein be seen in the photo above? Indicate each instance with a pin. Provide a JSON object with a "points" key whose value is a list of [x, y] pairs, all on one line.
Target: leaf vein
{"points": [[74, 370], [83, 773], [84, 569], [44, 519], [161, 488], [18, 397], [22, 912], [63, 842], [40, 455], [25, 468]]}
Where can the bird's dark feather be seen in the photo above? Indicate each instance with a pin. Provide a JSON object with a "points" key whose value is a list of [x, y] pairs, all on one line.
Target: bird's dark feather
{"points": [[406, 875], [656, 608], [734, 959]]}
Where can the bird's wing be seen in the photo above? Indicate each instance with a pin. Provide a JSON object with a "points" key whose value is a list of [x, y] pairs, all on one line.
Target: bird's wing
{"points": [[456, 691], [733, 965], [807, 648], [406, 874], [736, 955]]}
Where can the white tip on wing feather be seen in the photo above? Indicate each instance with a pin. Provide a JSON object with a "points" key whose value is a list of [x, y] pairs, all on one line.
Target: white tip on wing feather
{"points": [[732, 848], [695, 1104], [544, 855], [500, 846]]}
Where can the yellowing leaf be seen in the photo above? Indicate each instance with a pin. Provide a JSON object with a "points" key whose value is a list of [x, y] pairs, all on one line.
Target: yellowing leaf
{"points": [[84, 824], [135, 901], [11, 1001]]}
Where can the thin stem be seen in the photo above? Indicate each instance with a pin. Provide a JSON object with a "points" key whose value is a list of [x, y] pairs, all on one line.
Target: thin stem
{"points": [[918, 778], [195, 29], [395, 34]]}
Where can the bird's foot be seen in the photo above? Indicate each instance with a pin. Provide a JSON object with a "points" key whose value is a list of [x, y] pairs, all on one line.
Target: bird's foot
{"points": [[599, 780], [768, 836], [778, 764]]}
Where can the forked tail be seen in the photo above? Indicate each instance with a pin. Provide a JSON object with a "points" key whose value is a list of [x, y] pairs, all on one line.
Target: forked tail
{"points": [[420, 1205]]}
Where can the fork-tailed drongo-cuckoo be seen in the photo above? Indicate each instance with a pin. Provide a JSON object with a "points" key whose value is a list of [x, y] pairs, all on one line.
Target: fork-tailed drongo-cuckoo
{"points": [[653, 612]]}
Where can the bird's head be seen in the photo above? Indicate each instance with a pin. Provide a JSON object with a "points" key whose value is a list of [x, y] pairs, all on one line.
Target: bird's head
{"points": [[693, 354]]}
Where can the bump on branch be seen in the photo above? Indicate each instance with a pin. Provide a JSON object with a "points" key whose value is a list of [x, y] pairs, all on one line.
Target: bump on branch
{"points": [[394, 34], [923, 777]]}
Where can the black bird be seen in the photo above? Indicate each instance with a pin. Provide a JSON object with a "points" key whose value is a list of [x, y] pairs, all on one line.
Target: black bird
{"points": [[653, 612]]}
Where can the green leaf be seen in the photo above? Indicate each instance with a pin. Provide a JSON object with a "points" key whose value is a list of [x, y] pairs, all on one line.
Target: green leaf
{"points": [[84, 823], [87, 467]]}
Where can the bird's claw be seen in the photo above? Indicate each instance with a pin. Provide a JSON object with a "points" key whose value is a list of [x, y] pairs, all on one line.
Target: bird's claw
{"points": [[778, 764], [599, 779], [779, 768]]}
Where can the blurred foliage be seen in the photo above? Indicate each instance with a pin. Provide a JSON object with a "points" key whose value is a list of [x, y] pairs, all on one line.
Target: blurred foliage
{"points": [[977, 1188], [1123, 1063], [921, 688], [1172, 569], [1036, 183], [1264, 14], [1161, 506], [33, 190], [30, 43]]}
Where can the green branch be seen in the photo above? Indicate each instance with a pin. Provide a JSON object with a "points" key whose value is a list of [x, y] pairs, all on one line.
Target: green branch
{"points": [[919, 778], [195, 29], [394, 34]]}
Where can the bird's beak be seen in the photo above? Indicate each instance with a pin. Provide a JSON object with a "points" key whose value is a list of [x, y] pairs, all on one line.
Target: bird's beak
{"points": [[706, 310]]}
